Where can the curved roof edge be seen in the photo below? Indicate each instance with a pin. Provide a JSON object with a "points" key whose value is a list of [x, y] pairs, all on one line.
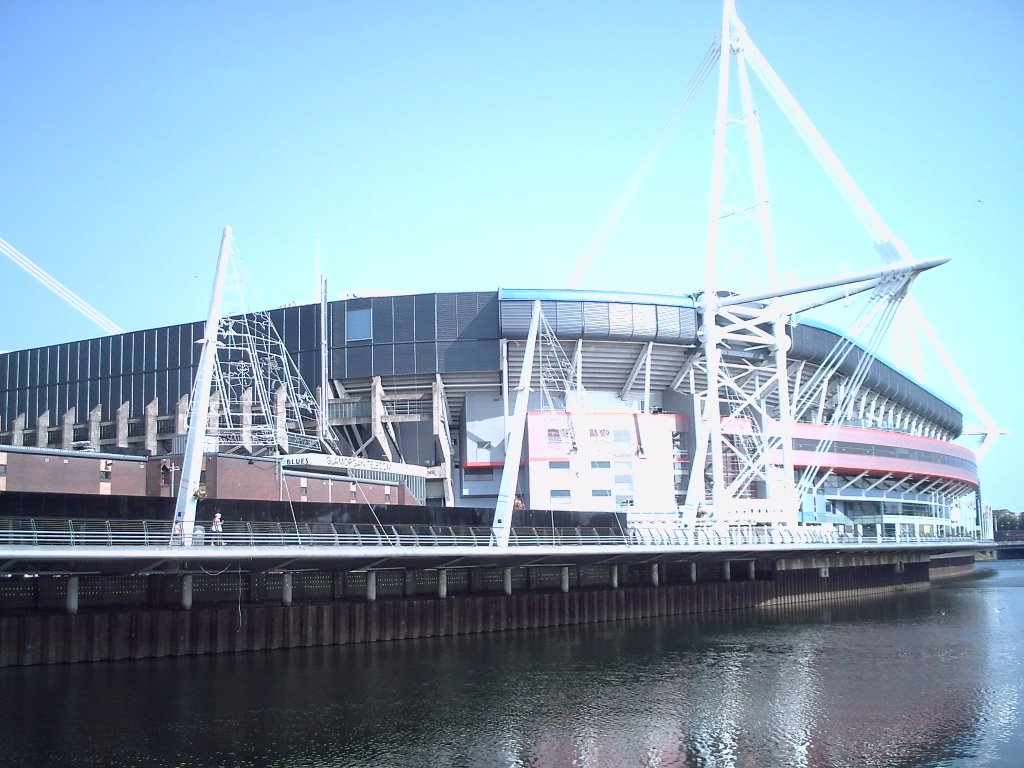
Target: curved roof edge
{"points": [[812, 341], [571, 294]]}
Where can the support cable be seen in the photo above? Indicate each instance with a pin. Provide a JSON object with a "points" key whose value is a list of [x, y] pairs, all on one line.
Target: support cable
{"points": [[58, 288], [636, 180]]}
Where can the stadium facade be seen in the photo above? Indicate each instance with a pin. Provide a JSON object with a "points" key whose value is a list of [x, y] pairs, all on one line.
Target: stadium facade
{"points": [[428, 382]]}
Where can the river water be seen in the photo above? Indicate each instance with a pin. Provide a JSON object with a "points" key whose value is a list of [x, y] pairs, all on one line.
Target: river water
{"points": [[932, 678]]}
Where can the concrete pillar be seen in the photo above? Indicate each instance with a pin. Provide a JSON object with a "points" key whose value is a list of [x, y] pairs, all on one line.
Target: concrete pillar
{"points": [[149, 423], [67, 429], [71, 600], [371, 586], [442, 583], [752, 570], [565, 578], [693, 573], [186, 591], [726, 571], [18, 430], [43, 429], [286, 589], [506, 577], [180, 416], [655, 575], [122, 415], [615, 577], [95, 417]]}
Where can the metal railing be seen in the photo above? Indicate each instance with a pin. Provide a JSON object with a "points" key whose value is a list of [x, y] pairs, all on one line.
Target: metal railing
{"points": [[39, 532]]}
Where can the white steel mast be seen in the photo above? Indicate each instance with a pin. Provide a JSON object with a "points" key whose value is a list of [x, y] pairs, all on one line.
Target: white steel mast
{"points": [[195, 441]]}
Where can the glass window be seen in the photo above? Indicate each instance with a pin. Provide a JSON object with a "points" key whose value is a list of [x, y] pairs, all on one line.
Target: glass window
{"points": [[600, 465], [560, 497], [600, 492], [358, 324], [478, 473], [558, 465]]}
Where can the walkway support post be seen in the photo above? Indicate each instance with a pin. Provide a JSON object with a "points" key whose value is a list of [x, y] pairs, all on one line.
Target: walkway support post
{"points": [[286, 589], [371, 586], [71, 599], [186, 591]]}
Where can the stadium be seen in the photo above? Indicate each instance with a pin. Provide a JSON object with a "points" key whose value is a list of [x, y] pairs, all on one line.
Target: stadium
{"points": [[413, 400]]}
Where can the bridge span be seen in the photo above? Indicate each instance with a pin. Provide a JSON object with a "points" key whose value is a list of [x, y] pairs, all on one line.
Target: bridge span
{"points": [[118, 547]]}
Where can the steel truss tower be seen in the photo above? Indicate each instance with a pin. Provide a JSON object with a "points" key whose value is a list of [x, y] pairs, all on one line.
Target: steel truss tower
{"points": [[743, 464], [247, 396]]}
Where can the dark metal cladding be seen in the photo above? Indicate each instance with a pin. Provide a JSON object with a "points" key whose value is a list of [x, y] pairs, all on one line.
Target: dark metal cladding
{"points": [[386, 336], [814, 344]]}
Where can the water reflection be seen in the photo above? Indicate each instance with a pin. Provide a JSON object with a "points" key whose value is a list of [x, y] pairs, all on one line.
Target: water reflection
{"points": [[926, 679]]}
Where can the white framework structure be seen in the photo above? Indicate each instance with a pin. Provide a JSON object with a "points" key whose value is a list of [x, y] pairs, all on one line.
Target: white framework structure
{"points": [[247, 394], [747, 412]]}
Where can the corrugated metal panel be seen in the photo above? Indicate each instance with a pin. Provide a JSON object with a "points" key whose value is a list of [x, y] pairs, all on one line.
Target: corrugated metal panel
{"points": [[448, 316], [668, 323], [466, 307], [598, 297], [595, 320], [405, 318], [359, 362], [569, 319], [73, 374], [173, 341], [383, 320], [469, 355], [515, 319], [426, 357], [309, 327], [620, 320], [426, 311], [336, 324], [645, 322], [405, 359], [688, 325], [485, 323], [383, 359], [308, 363]]}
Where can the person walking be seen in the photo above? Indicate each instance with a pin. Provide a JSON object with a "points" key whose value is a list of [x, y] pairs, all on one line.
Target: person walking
{"points": [[217, 529]]}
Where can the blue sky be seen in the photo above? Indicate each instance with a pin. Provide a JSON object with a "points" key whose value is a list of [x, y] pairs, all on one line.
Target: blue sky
{"points": [[476, 145]]}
